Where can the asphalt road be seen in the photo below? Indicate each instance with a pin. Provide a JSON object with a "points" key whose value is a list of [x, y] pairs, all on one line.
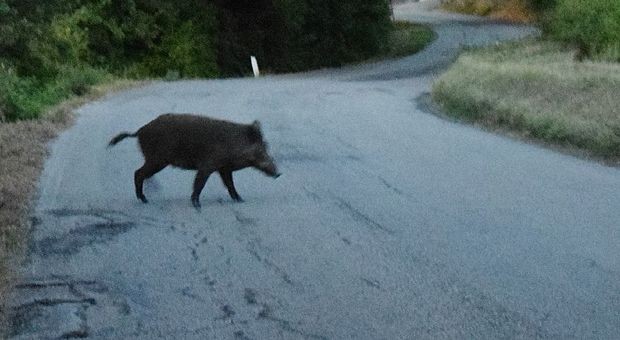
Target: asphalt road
{"points": [[387, 223]]}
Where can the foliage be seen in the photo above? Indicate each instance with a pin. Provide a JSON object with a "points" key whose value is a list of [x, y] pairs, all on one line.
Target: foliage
{"points": [[26, 97], [186, 50], [46, 44], [593, 26], [341, 31], [291, 35]]}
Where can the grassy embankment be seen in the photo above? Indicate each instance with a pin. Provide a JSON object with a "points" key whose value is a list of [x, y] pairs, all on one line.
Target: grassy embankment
{"points": [[46, 108], [561, 89], [538, 89], [407, 38]]}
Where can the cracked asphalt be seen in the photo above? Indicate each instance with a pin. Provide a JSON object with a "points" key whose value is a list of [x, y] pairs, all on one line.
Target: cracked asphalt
{"points": [[387, 223]]}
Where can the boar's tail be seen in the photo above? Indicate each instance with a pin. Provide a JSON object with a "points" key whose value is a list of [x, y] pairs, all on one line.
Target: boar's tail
{"points": [[120, 137]]}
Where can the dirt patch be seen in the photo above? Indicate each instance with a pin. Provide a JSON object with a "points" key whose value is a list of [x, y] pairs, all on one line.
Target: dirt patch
{"points": [[23, 149]]}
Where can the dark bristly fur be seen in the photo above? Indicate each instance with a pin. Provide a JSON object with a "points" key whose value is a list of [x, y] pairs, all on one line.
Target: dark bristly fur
{"points": [[199, 143]]}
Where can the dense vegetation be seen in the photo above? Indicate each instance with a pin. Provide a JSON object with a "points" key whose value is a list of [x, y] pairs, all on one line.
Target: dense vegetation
{"points": [[51, 49], [591, 26]]}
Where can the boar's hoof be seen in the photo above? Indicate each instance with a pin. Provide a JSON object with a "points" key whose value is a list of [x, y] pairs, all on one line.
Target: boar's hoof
{"points": [[238, 199], [277, 175], [196, 202], [143, 199]]}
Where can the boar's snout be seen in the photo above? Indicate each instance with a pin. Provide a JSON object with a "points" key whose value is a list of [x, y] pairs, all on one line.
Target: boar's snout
{"points": [[264, 162], [261, 158], [268, 167]]}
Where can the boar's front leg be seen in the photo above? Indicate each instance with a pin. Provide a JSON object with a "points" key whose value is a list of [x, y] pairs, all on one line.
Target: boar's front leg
{"points": [[199, 184], [227, 178], [146, 171]]}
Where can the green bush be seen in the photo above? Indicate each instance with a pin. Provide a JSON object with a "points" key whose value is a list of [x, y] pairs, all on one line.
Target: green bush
{"points": [[17, 98], [407, 38], [27, 97], [78, 80], [591, 25], [187, 50], [344, 31]]}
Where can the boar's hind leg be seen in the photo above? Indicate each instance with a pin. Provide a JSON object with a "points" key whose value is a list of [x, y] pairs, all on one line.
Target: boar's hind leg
{"points": [[146, 171], [227, 178], [199, 184]]}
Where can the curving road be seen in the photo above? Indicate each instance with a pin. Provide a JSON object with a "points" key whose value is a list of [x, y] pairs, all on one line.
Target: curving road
{"points": [[388, 222]]}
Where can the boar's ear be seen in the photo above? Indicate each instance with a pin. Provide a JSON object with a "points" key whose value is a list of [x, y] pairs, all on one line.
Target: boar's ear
{"points": [[254, 132]]}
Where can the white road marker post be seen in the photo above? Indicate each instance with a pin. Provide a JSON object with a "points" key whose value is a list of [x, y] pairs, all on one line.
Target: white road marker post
{"points": [[254, 66]]}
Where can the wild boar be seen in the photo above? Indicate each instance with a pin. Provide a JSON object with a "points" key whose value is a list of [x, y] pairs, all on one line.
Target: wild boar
{"points": [[200, 143]]}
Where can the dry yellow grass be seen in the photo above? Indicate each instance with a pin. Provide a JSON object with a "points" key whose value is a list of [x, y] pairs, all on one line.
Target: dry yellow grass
{"points": [[23, 149], [507, 10], [514, 11], [537, 89]]}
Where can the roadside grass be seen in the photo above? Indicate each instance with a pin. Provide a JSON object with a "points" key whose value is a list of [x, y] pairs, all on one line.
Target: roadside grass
{"points": [[408, 38], [537, 89], [23, 149]]}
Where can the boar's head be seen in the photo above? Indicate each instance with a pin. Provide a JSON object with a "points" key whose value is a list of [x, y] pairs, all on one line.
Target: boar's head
{"points": [[258, 156]]}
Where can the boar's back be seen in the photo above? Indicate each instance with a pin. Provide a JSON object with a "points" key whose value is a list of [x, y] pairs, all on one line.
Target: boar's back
{"points": [[190, 141]]}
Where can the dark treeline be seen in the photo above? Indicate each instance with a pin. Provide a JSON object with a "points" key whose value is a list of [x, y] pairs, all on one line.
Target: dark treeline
{"points": [[197, 38], [50, 49]]}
